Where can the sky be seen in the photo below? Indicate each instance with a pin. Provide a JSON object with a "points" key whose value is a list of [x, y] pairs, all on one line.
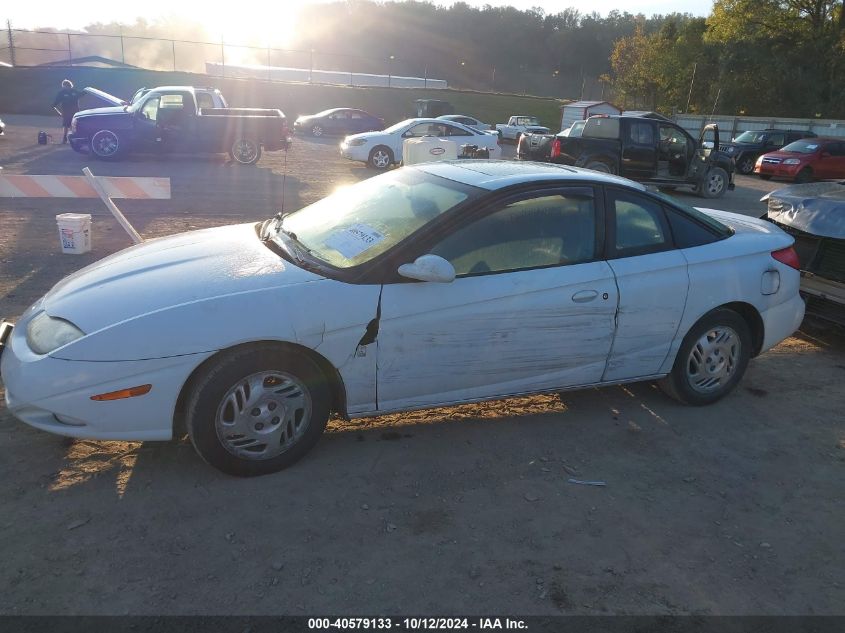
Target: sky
{"points": [[219, 17]]}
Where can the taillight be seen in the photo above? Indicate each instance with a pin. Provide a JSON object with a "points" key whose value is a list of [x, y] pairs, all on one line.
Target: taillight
{"points": [[787, 256], [555, 148]]}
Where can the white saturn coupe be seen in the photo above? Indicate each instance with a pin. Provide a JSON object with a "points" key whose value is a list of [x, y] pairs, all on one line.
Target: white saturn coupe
{"points": [[426, 286], [380, 150]]}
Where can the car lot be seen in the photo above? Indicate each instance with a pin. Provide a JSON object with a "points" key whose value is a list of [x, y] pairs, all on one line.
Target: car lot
{"points": [[733, 508]]}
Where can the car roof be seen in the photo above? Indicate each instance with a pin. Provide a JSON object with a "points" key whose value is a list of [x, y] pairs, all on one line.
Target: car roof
{"points": [[498, 174]]}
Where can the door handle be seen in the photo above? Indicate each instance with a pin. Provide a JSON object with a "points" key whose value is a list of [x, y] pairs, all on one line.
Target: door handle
{"points": [[583, 296]]}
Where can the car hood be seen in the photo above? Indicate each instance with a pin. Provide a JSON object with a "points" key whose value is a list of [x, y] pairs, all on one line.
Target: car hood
{"points": [[111, 110], [368, 135], [781, 155], [168, 272], [817, 208]]}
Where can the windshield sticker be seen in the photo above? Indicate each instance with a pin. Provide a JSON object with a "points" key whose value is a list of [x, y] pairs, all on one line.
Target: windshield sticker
{"points": [[813, 146], [354, 240]]}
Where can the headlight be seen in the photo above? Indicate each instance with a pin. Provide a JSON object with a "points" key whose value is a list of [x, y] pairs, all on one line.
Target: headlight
{"points": [[791, 161], [45, 333], [356, 141]]}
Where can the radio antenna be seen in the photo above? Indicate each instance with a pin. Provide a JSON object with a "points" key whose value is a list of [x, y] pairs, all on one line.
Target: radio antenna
{"points": [[284, 178]]}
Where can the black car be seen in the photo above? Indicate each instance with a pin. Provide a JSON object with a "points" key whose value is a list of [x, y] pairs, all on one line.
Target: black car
{"points": [[648, 148], [340, 121], [746, 148]]}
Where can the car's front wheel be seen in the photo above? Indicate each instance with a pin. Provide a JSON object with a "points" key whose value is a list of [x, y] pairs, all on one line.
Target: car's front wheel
{"points": [[257, 410], [380, 158], [715, 183], [106, 145], [711, 360]]}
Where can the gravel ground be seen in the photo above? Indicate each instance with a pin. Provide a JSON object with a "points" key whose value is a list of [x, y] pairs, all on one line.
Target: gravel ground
{"points": [[735, 508]]}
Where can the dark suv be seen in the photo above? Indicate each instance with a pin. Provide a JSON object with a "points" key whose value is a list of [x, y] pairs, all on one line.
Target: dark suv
{"points": [[746, 148]]}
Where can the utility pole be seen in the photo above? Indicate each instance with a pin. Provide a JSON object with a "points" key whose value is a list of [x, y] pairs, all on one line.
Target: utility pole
{"points": [[692, 81], [223, 55], [11, 42], [173, 49], [69, 54], [122, 55]]}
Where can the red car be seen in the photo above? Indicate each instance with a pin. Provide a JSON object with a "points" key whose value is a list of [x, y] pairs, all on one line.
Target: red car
{"points": [[805, 160]]}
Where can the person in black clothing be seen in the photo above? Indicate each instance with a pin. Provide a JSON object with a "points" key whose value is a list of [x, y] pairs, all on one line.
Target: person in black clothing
{"points": [[68, 99]]}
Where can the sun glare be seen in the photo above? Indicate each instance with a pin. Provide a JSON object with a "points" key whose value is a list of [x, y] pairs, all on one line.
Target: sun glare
{"points": [[273, 25]]}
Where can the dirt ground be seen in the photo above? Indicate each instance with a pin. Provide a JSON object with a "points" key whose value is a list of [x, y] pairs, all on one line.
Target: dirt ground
{"points": [[736, 508]]}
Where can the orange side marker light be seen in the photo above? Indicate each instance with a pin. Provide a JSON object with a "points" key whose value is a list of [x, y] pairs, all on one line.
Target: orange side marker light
{"points": [[131, 392]]}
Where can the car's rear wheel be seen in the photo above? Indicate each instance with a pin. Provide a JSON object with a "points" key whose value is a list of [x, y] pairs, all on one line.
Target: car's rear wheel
{"points": [[106, 145], [805, 175], [715, 183], [599, 166], [245, 150], [711, 360], [381, 157], [317, 130], [745, 165], [256, 410]]}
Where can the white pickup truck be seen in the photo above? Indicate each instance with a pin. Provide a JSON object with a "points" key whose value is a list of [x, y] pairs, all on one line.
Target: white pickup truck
{"points": [[519, 124]]}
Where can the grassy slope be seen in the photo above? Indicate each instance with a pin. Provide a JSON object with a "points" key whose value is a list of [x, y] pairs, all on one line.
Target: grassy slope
{"points": [[31, 91]]}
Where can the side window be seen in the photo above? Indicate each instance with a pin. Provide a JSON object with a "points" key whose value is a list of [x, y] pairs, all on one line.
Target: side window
{"points": [[150, 109], [641, 134], [637, 225], [204, 100], [434, 129], [356, 115], [686, 231], [777, 139], [456, 131], [551, 230], [172, 102]]}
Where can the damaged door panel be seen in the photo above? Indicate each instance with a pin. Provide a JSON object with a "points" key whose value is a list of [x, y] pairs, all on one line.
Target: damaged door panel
{"points": [[494, 335]]}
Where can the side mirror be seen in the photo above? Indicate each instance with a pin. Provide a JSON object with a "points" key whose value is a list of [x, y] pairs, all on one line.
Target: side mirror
{"points": [[429, 268]]}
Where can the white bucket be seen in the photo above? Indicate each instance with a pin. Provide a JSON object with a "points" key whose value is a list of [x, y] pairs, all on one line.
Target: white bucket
{"points": [[427, 149], [74, 232]]}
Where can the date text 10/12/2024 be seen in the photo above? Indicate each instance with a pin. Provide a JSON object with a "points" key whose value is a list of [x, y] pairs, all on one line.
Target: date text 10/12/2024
{"points": [[417, 624]]}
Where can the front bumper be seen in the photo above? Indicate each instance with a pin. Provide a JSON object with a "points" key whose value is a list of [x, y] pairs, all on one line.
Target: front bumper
{"points": [[355, 152], [778, 171], [54, 395], [78, 143]]}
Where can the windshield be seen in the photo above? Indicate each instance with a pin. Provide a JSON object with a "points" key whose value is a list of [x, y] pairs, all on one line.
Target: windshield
{"points": [[802, 147], [751, 137], [357, 223]]}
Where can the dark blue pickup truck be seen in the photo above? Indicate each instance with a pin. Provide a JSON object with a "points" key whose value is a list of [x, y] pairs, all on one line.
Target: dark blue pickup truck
{"points": [[178, 119]]}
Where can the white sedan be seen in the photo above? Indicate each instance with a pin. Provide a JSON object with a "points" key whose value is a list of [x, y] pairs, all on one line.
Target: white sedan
{"points": [[427, 286], [382, 149]]}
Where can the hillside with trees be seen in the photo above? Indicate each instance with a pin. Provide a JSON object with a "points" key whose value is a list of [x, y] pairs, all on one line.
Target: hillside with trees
{"points": [[753, 57]]}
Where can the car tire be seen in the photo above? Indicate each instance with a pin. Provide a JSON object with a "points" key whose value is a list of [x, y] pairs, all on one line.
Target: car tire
{"points": [[805, 175], [245, 150], [711, 360], [106, 145], [745, 165], [765, 176], [599, 166], [381, 157], [317, 131], [715, 183], [257, 410]]}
